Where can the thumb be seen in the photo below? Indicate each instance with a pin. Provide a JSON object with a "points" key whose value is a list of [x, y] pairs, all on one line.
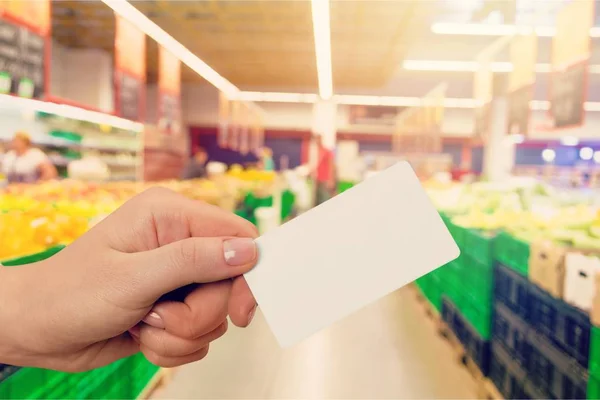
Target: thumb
{"points": [[193, 260]]}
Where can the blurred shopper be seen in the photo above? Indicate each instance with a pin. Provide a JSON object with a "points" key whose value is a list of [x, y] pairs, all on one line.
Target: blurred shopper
{"points": [[324, 173], [266, 159], [196, 167], [25, 164]]}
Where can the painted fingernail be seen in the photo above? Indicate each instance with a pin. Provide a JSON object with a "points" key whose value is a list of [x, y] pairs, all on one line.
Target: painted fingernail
{"points": [[153, 319], [251, 314], [239, 251]]}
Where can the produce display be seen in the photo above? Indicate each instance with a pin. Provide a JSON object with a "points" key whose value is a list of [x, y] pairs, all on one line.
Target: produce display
{"points": [[523, 296], [526, 209], [36, 217]]}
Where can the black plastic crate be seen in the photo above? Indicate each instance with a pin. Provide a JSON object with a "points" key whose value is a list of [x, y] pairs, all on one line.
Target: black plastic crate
{"points": [[511, 332], [510, 377], [6, 371], [475, 346], [512, 289], [550, 367], [567, 326]]}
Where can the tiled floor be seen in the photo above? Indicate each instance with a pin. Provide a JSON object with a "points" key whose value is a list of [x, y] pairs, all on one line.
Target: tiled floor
{"points": [[389, 350]]}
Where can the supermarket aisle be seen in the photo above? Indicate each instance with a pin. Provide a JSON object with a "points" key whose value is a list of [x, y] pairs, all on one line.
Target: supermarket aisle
{"points": [[389, 350]]}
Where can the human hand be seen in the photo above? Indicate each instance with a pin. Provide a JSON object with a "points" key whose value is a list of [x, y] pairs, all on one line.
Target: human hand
{"points": [[82, 308]]}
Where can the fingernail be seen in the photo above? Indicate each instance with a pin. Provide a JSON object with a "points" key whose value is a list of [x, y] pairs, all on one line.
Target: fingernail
{"points": [[135, 331], [239, 251], [251, 314], [153, 319]]}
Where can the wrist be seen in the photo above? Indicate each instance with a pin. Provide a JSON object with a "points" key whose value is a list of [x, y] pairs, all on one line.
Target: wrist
{"points": [[15, 315]]}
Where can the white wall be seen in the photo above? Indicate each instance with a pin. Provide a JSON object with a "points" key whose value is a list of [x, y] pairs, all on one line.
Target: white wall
{"points": [[84, 76]]}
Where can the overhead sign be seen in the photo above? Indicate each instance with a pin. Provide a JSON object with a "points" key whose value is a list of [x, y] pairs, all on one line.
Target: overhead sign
{"points": [[24, 38], [571, 50], [130, 69], [244, 141], [234, 131], [169, 92], [224, 120], [483, 92], [419, 129], [523, 55], [33, 14]]}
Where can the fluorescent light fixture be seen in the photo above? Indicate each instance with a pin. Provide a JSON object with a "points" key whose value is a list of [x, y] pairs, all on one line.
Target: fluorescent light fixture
{"points": [[597, 157], [275, 97], [586, 153], [472, 66], [474, 29], [548, 155], [394, 101], [8, 102], [125, 10], [322, 33], [569, 141]]}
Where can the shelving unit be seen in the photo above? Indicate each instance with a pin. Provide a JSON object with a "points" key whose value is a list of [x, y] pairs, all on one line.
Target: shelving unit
{"points": [[67, 139]]}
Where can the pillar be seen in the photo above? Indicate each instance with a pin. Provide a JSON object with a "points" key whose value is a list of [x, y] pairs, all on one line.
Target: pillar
{"points": [[499, 150]]}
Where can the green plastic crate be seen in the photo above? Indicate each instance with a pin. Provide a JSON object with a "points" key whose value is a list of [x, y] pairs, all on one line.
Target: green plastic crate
{"points": [[480, 245], [435, 296], [344, 185], [479, 317], [512, 252], [123, 379], [594, 363], [593, 388], [458, 234], [478, 279], [287, 204], [33, 257]]}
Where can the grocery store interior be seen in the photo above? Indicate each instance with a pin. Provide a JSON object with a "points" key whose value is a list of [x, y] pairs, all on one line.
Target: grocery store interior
{"points": [[267, 109]]}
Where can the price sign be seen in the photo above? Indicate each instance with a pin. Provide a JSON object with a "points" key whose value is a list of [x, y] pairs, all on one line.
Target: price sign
{"points": [[523, 52], [571, 50], [224, 120], [22, 61], [169, 92], [130, 69]]}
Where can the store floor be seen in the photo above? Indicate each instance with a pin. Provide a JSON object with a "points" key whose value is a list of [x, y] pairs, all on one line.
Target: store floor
{"points": [[389, 350]]}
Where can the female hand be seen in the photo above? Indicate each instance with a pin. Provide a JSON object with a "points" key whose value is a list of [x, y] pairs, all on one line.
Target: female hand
{"points": [[82, 308]]}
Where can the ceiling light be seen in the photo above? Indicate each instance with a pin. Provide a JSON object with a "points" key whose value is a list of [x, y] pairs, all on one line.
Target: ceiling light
{"points": [[569, 141], [548, 155], [8, 102], [472, 29], [586, 153], [125, 10], [443, 28], [276, 97], [322, 35], [395, 101], [472, 66], [597, 157]]}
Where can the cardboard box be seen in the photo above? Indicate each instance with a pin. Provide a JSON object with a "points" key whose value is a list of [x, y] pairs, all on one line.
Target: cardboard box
{"points": [[581, 273], [547, 266]]}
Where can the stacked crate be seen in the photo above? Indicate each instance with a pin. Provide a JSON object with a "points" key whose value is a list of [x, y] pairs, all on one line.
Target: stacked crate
{"points": [[462, 291], [547, 341], [123, 379], [497, 295]]}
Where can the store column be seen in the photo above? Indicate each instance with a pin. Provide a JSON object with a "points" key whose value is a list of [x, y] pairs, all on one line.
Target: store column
{"points": [[321, 155], [499, 150]]}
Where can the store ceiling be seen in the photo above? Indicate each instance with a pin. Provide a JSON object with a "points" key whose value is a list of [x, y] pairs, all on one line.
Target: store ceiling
{"points": [[262, 44]]}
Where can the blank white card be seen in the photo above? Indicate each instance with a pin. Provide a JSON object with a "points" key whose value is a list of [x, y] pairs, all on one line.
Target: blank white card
{"points": [[348, 252]]}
